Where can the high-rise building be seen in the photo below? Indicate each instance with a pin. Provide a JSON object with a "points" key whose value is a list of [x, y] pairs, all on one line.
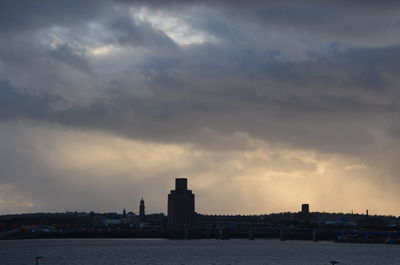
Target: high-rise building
{"points": [[180, 206], [142, 214]]}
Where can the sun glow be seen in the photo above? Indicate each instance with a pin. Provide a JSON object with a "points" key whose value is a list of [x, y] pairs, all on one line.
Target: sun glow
{"points": [[270, 178], [102, 50]]}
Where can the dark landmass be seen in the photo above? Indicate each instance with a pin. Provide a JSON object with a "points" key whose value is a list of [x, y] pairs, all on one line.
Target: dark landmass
{"points": [[339, 227], [183, 222]]}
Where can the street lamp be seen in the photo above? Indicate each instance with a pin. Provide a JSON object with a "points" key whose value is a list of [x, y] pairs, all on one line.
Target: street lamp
{"points": [[37, 259]]}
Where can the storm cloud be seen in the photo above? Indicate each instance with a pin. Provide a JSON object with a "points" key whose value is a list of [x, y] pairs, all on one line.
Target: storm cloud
{"points": [[242, 95]]}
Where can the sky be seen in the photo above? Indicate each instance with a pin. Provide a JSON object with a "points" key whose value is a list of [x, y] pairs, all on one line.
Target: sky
{"points": [[262, 105]]}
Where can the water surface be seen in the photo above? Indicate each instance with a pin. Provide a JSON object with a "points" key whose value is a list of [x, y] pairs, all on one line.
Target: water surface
{"points": [[193, 252]]}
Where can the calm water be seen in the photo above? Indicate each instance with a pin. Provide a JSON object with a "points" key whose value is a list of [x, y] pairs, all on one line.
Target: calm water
{"points": [[131, 251]]}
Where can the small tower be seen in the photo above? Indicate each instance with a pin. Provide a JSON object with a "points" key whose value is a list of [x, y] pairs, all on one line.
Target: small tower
{"points": [[124, 213], [142, 215], [305, 208]]}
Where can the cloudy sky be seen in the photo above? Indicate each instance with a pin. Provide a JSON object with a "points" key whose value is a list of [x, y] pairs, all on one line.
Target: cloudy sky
{"points": [[263, 105]]}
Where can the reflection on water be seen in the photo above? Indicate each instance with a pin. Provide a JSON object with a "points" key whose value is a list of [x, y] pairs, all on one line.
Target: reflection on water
{"points": [[148, 252]]}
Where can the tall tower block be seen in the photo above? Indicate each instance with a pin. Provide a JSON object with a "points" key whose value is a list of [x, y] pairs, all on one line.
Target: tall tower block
{"points": [[180, 206]]}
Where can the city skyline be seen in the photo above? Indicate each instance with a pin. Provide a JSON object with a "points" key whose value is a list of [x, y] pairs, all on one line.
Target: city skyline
{"points": [[263, 105], [182, 221], [181, 206]]}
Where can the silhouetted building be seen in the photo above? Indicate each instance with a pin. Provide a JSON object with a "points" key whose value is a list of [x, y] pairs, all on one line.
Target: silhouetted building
{"points": [[180, 206], [142, 214], [304, 216], [305, 208]]}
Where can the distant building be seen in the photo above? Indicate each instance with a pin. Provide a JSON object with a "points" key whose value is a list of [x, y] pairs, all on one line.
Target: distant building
{"points": [[305, 208], [156, 219], [142, 214], [304, 216], [112, 222], [180, 206]]}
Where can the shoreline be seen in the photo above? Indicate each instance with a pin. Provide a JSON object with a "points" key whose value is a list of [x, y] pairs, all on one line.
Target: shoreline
{"points": [[165, 236]]}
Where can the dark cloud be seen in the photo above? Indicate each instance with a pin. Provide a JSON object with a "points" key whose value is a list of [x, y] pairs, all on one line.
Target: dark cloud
{"points": [[22, 16], [126, 32], [15, 104], [305, 74], [68, 55]]}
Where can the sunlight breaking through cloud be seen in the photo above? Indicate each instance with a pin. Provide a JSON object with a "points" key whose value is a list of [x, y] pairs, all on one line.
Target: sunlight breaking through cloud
{"points": [[174, 25]]}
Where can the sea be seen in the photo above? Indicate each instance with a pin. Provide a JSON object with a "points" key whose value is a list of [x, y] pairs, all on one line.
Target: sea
{"points": [[193, 252]]}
